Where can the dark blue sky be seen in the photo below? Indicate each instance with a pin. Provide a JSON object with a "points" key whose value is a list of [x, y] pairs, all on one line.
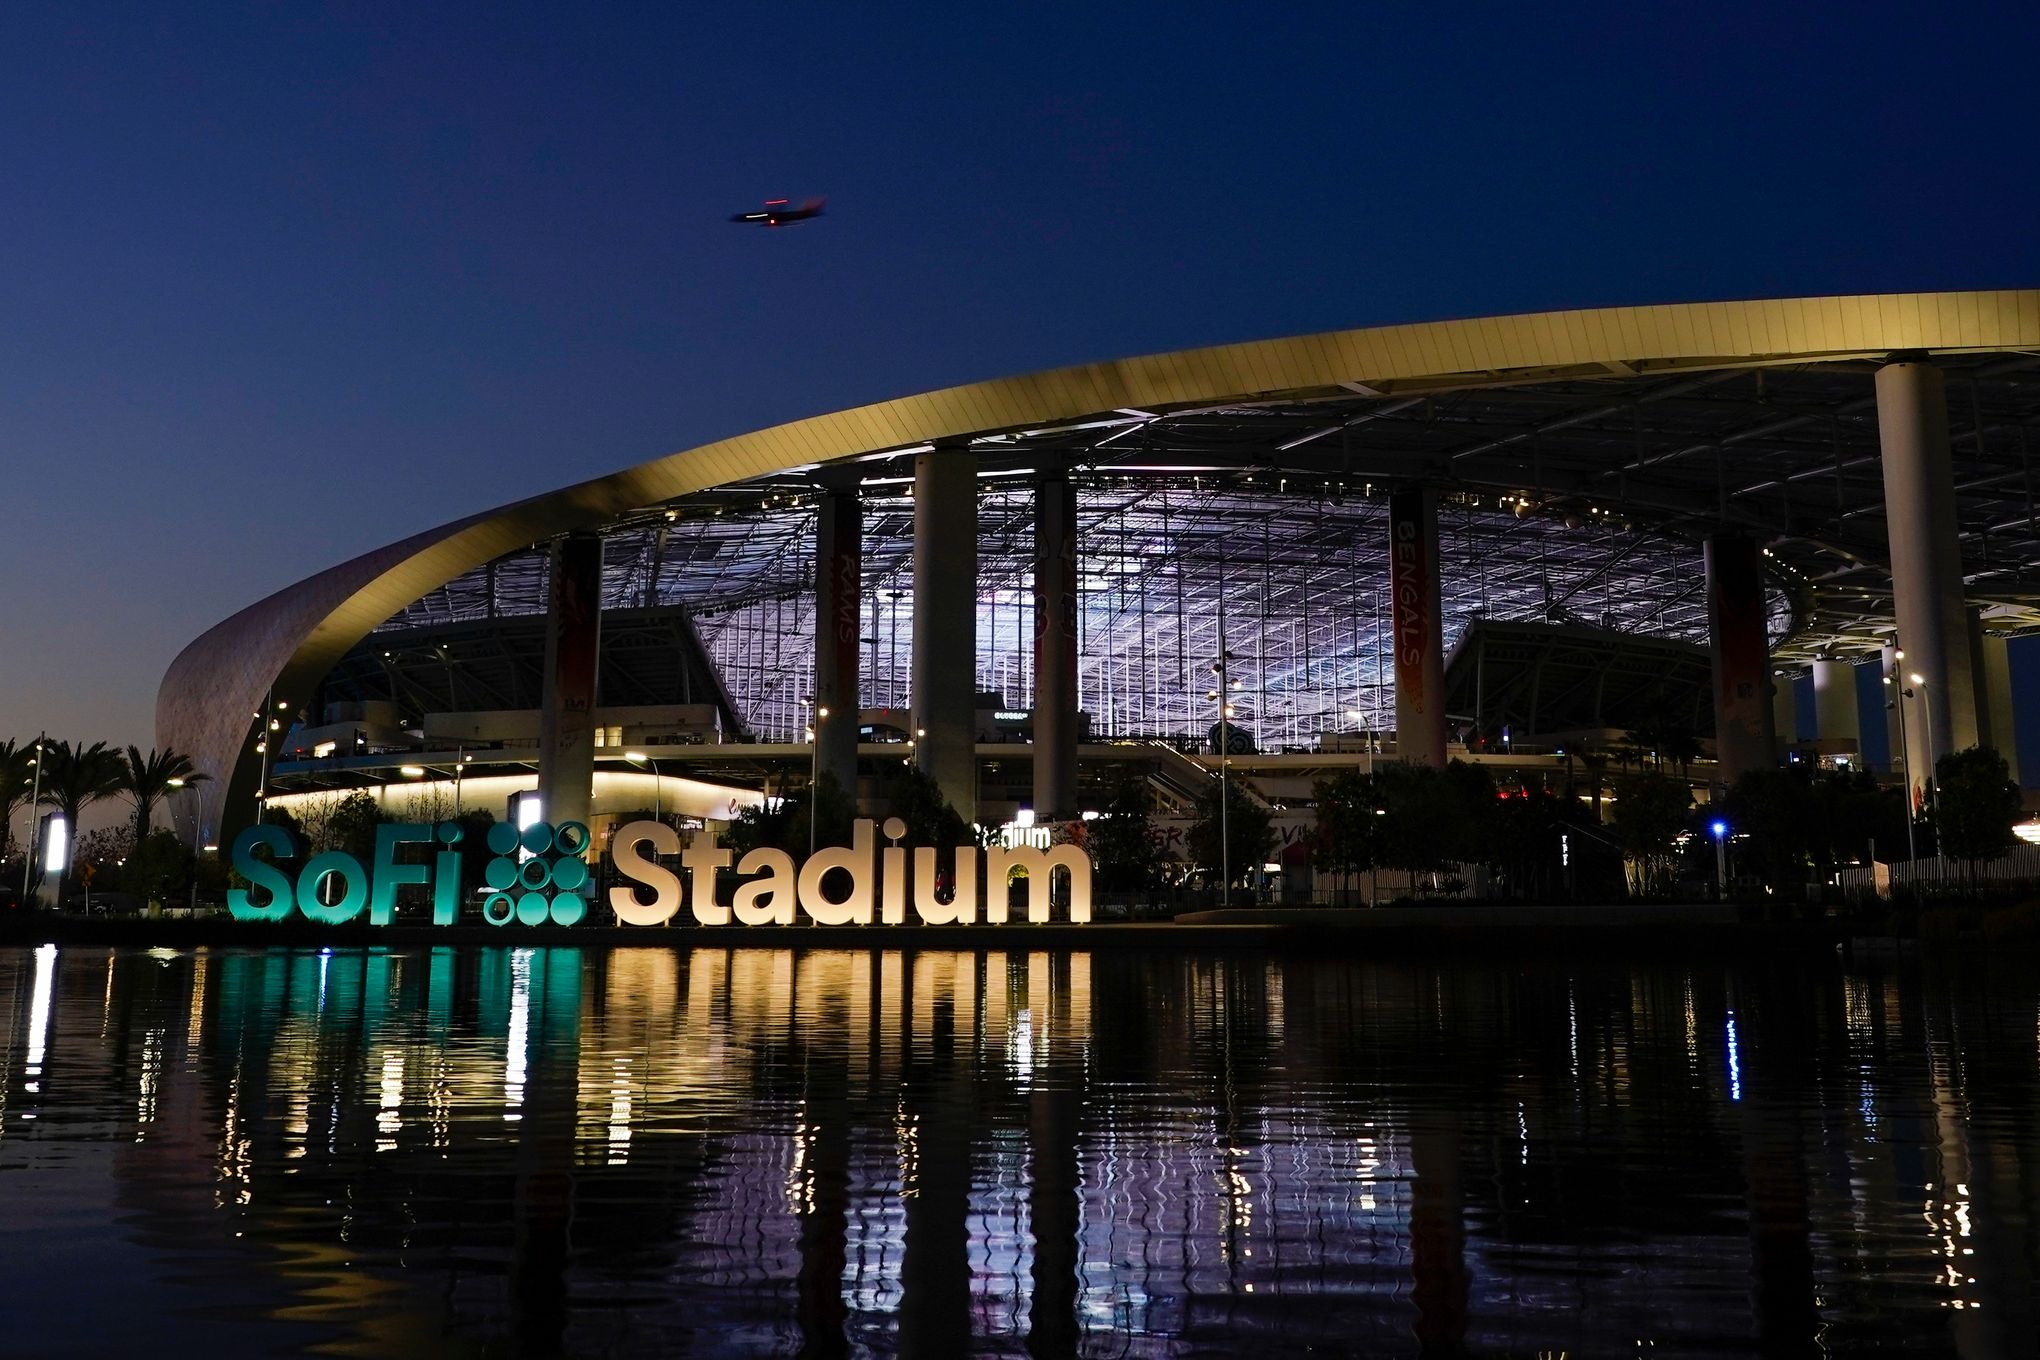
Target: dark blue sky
{"points": [[278, 285]]}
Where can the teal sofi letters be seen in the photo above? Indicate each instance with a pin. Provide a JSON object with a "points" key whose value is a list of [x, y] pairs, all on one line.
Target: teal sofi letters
{"points": [[261, 874], [388, 875]]}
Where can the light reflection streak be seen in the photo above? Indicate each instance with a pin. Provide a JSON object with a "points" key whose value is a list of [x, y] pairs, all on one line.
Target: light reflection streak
{"points": [[516, 1055], [800, 1170], [236, 1152], [39, 1019], [1572, 1027], [1734, 1062], [194, 1029], [907, 1143], [146, 1085], [619, 1114], [389, 1119]]}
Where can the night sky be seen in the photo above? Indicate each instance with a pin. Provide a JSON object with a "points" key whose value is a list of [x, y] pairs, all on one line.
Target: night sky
{"points": [[280, 284]]}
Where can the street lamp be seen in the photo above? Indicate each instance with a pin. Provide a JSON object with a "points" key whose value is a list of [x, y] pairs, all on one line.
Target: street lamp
{"points": [[640, 758], [815, 774], [1720, 830], [1899, 757], [197, 839], [34, 798], [1223, 696], [267, 734]]}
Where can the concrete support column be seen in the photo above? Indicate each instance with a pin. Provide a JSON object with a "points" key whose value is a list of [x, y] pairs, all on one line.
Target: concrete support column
{"points": [[1735, 625], [1926, 562], [1973, 617], [1994, 662], [1835, 715], [566, 717], [1055, 646], [1784, 713], [839, 629], [1419, 626], [945, 623]]}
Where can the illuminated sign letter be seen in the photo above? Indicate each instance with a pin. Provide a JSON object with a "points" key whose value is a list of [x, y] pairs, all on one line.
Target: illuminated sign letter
{"points": [[961, 908], [1038, 866], [354, 892], [261, 874], [855, 908], [892, 907], [702, 863], [446, 877], [767, 900], [388, 875], [637, 869]]}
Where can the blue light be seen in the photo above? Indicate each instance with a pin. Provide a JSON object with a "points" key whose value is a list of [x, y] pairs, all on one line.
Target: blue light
{"points": [[1720, 830]]}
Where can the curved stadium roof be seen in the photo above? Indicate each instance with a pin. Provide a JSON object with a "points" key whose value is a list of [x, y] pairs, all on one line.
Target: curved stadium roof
{"points": [[1580, 455]]}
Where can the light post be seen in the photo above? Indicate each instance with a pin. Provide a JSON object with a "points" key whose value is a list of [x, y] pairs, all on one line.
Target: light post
{"points": [[1356, 715], [1223, 695], [641, 758], [1720, 830], [197, 839], [268, 730], [815, 775], [1899, 756], [34, 798]]}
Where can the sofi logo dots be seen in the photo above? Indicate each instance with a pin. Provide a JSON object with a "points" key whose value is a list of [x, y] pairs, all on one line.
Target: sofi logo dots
{"points": [[538, 874]]}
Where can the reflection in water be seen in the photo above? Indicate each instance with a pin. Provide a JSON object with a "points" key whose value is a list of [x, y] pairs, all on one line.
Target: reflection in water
{"points": [[650, 1151]]}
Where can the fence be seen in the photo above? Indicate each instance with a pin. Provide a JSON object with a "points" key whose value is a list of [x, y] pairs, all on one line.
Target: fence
{"points": [[2017, 867]]}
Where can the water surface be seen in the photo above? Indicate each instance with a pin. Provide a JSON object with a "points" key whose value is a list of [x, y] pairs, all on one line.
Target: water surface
{"points": [[736, 1152]]}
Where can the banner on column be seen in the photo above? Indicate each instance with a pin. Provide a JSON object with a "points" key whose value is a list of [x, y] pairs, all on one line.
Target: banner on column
{"points": [[1409, 574]]}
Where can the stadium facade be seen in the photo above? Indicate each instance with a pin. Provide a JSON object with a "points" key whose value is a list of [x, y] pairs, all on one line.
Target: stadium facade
{"points": [[1479, 538]]}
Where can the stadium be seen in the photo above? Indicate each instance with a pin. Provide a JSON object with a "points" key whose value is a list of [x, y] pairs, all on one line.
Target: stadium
{"points": [[1483, 539]]}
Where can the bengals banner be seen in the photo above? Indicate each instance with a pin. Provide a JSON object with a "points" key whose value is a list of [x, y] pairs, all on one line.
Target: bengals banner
{"points": [[1417, 628]]}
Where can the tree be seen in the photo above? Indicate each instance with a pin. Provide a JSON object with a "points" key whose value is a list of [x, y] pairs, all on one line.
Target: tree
{"points": [[1249, 832], [782, 823], [99, 858], [144, 779], [159, 868], [1348, 837], [1976, 804], [1467, 799], [1121, 840], [913, 796], [1595, 762], [1853, 814], [1415, 818], [17, 786], [1775, 810], [74, 777], [1651, 812], [352, 826], [761, 826]]}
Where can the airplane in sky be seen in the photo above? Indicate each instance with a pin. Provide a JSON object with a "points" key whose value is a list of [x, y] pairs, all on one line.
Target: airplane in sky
{"points": [[778, 213]]}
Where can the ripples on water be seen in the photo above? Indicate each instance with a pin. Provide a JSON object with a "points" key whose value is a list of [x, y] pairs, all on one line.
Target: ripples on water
{"points": [[716, 1152]]}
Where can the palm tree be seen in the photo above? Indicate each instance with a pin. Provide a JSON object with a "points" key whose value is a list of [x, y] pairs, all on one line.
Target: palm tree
{"points": [[146, 779], [74, 777], [17, 779], [1595, 762]]}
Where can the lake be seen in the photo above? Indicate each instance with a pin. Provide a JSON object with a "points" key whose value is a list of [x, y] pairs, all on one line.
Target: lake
{"points": [[474, 1151]]}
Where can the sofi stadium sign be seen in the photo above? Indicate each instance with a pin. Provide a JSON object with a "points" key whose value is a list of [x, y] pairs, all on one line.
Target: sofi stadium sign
{"points": [[541, 875]]}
